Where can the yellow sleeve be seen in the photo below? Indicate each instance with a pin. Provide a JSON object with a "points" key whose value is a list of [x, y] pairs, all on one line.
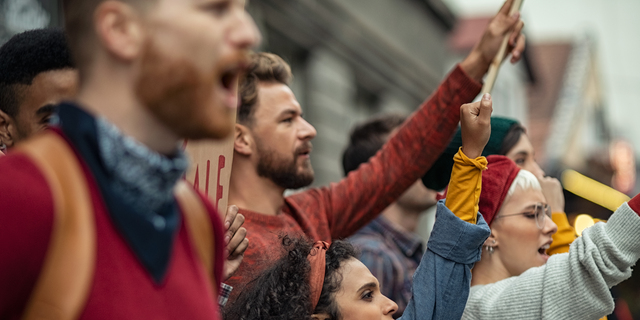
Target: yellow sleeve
{"points": [[465, 185], [565, 235]]}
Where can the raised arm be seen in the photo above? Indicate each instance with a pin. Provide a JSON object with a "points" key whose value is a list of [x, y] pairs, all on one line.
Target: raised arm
{"points": [[441, 282], [572, 285], [463, 194], [364, 193]]}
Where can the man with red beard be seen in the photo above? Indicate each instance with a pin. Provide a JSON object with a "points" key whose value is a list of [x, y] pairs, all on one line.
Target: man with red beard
{"points": [[152, 73], [273, 144]]}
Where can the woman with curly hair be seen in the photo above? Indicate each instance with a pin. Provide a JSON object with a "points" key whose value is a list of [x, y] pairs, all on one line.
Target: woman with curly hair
{"points": [[327, 282]]}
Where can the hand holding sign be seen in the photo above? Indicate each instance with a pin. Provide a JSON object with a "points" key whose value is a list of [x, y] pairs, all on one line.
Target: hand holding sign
{"points": [[235, 239], [501, 37], [475, 123]]}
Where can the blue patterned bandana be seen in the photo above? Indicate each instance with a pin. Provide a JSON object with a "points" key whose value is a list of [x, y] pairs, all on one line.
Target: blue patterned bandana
{"points": [[136, 185]]}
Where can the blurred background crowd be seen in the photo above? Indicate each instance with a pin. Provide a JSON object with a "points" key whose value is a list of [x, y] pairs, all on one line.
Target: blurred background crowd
{"points": [[575, 92]]}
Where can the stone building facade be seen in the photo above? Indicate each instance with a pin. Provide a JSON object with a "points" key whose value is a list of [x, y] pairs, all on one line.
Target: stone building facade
{"points": [[352, 59]]}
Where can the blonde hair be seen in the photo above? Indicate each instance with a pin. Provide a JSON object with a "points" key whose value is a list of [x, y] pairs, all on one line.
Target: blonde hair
{"points": [[525, 180]]}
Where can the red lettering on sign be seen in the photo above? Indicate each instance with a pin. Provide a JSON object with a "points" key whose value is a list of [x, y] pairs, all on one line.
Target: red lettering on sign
{"points": [[207, 185], [196, 180], [219, 188]]}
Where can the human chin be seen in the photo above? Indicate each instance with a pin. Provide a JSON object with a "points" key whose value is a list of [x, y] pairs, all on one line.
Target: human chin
{"points": [[306, 170]]}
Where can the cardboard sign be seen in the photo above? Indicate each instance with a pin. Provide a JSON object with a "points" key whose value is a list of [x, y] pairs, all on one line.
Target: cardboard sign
{"points": [[210, 169]]}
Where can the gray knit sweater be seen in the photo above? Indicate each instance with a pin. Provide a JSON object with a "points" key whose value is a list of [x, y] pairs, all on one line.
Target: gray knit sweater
{"points": [[573, 285]]}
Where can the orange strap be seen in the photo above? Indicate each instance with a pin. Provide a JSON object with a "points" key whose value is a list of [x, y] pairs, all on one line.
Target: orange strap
{"points": [[318, 261], [198, 222], [63, 285]]}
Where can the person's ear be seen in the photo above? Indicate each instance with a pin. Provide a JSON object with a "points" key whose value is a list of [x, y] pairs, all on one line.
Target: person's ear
{"points": [[6, 128], [119, 27], [492, 241], [243, 140], [323, 316]]}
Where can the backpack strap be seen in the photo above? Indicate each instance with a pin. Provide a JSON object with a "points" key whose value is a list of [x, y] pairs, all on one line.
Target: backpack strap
{"points": [[198, 223], [63, 285]]}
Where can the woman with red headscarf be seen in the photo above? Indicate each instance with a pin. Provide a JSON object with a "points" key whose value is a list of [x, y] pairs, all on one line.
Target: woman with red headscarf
{"points": [[516, 279]]}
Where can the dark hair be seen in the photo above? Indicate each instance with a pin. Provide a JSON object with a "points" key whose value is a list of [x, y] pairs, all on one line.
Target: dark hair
{"points": [[79, 24], [264, 67], [511, 138], [282, 292], [367, 138], [25, 56]]}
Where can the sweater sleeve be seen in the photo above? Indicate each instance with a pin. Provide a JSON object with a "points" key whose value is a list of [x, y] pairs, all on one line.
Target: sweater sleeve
{"points": [[564, 237], [441, 282], [360, 197], [572, 285], [463, 194]]}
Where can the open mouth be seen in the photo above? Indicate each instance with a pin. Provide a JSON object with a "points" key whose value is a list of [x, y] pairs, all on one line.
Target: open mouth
{"points": [[304, 151], [543, 250], [230, 78], [228, 82]]}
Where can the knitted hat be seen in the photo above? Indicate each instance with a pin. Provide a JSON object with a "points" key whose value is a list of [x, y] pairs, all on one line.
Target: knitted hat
{"points": [[496, 181], [438, 176]]}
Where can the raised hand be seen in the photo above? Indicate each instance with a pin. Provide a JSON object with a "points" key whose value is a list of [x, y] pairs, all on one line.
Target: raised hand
{"points": [[475, 123], [480, 58], [236, 241]]}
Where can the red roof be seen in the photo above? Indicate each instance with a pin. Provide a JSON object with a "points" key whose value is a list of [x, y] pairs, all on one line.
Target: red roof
{"points": [[550, 61]]}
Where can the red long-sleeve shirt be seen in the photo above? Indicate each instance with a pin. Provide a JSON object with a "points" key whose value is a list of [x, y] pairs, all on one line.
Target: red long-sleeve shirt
{"points": [[339, 210]]}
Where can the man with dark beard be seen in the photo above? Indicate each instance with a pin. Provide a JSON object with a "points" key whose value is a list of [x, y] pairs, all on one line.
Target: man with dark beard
{"points": [[273, 143], [95, 223]]}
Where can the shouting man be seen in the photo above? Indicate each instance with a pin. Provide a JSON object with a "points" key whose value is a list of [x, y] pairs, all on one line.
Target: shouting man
{"points": [[93, 225]]}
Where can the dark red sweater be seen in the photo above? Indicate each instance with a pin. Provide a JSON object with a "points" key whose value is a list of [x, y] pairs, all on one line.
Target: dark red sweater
{"points": [[121, 288], [339, 210]]}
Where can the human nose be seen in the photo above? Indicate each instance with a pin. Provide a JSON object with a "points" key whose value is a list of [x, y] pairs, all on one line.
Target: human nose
{"points": [[536, 170], [245, 33], [389, 307], [307, 131], [549, 226]]}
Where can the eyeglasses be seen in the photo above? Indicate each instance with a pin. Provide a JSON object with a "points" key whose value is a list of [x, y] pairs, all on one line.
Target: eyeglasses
{"points": [[539, 212]]}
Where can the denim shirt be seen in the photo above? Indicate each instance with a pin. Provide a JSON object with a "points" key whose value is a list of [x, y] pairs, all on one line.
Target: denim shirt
{"points": [[441, 282]]}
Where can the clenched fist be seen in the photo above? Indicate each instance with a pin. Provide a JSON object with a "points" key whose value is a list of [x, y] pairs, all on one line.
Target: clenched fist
{"points": [[475, 123]]}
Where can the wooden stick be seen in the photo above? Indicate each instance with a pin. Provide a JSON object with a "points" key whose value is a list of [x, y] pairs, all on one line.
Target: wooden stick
{"points": [[490, 80]]}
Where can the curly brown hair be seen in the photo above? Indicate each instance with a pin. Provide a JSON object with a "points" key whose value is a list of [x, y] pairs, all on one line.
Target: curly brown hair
{"points": [[282, 292]]}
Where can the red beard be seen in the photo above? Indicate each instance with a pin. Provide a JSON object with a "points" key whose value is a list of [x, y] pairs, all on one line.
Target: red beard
{"points": [[180, 96]]}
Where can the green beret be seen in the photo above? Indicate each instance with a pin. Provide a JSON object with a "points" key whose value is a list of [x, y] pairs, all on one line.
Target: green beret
{"points": [[437, 178]]}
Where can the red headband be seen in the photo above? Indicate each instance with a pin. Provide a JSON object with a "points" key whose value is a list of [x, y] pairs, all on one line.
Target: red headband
{"points": [[496, 181], [317, 259]]}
